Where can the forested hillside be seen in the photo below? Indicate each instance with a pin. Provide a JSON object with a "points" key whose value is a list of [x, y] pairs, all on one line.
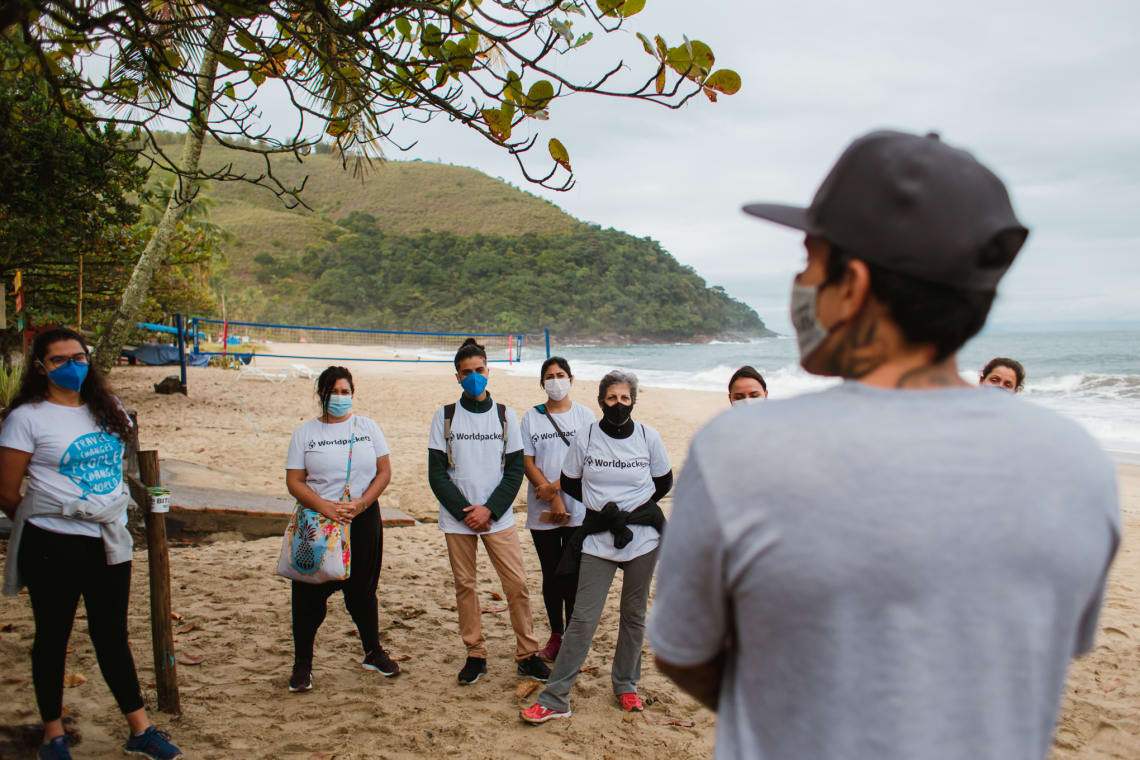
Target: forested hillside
{"points": [[418, 245]]}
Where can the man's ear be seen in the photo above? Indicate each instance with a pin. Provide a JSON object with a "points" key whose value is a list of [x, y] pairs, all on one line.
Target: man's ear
{"points": [[854, 289]]}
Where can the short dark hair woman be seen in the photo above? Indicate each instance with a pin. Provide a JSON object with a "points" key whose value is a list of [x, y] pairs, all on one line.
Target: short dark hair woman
{"points": [[65, 431], [325, 452], [619, 469], [746, 386], [548, 432], [1004, 373]]}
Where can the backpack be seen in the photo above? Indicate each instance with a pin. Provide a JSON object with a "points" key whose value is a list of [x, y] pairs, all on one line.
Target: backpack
{"points": [[449, 414]]}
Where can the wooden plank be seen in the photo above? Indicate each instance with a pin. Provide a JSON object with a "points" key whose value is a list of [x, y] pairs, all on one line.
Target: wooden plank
{"points": [[161, 627]]}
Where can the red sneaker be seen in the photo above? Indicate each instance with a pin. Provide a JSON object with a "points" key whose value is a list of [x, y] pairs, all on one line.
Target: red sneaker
{"points": [[550, 651], [536, 714], [630, 702]]}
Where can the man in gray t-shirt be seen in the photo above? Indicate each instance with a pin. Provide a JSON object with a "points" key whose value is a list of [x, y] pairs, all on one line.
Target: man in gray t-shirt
{"points": [[901, 566]]}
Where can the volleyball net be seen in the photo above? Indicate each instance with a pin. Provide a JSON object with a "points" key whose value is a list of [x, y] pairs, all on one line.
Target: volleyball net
{"points": [[245, 340]]}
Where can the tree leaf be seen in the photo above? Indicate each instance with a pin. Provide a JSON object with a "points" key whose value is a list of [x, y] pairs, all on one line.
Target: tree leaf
{"points": [[583, 39], [229, 91], [497, 123], [559, 154], [645, 43], [620, 8], [659, 80], [538, 96], [724, 80], [693, 65], [231, 61], [512, 89], [404, 27], [563, 29]]}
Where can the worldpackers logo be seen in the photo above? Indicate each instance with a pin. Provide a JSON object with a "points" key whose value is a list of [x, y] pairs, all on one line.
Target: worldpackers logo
{"points": [[476, 437], [536, 437], [337, 441], [94, 462], [618, 464]]}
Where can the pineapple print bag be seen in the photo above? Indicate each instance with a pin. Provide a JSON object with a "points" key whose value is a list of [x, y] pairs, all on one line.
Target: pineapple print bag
{"points": [[316, 549]]}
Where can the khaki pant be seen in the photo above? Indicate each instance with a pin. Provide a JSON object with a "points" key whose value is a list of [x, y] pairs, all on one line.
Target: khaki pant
{"points": [[506, 557]]}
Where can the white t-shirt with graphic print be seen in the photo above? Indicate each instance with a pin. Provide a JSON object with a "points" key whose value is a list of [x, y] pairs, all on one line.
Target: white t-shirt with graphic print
{"points": [[321, 450], [620, 470], [477, 450], [72, 458], [541, 441]]}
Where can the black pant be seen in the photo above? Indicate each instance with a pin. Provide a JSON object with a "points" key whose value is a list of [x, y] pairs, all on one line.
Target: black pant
{"points": [[557, 591], [310, 600], [57, 569]]}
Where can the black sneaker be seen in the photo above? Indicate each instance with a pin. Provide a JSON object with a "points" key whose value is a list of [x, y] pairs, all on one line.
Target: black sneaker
{"points": [[379, 661], [472, 669], [533, 667], [302, 678]]}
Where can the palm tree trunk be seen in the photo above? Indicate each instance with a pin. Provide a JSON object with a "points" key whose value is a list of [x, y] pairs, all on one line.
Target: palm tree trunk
{"points": [[120, 322]]}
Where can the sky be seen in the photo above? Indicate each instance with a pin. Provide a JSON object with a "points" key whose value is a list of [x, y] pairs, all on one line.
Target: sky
{"points": [[1045, 93]]}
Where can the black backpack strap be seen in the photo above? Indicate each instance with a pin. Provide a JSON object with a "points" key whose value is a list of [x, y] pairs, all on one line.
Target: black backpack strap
{"points": [[448, 416], [542, 410], [502, 411]]}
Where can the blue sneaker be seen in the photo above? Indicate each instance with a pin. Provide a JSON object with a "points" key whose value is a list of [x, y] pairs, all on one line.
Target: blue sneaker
{"points": [[152, 743], [56, 749]]}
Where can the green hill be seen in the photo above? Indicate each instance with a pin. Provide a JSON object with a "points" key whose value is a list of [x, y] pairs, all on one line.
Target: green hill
{"points": [[419, 245]]}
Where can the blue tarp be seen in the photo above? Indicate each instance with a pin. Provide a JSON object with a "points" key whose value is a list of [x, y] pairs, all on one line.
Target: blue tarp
{"points": [[159, 354]]}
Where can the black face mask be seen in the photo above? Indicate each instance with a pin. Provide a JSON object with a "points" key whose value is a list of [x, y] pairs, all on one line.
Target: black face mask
{"points": [[618, 414]]}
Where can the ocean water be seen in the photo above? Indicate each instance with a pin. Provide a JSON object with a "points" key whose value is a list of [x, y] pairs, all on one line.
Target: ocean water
{"points": [[1092, 377]]}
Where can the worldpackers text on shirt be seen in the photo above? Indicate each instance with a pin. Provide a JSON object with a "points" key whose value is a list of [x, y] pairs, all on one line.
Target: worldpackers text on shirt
{"points": [[457, 436], [621, 464], [359, 438]]}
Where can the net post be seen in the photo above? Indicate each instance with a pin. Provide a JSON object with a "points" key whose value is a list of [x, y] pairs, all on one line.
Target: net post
{"points": [[547, 342], [178, 324], [194, 327]]}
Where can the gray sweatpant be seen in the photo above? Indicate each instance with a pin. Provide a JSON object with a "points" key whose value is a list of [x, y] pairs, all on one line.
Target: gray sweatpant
{"points": [[594, 579]]}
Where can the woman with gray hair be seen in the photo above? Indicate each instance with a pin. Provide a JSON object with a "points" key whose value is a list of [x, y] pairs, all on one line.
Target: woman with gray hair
{"points": [[619, 469]]}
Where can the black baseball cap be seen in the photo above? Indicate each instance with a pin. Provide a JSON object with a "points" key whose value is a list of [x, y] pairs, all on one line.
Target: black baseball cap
{"points": [[914, 205]]}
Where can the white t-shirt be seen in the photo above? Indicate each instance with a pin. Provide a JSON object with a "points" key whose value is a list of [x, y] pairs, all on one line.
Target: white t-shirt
{"points": [[620, 470], [321, 450], [477, 450], [541, 441], [72, 458]]}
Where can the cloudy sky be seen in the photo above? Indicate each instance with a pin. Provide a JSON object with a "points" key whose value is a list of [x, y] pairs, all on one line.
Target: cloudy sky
{"points": [[1046, 93]]}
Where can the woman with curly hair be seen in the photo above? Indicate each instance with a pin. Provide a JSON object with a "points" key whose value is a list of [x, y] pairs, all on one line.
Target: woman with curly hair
{"points": [[1003, 372], [65, 431]]}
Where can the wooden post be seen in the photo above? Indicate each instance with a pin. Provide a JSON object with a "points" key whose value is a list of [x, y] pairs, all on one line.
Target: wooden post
{"points": [[161, 628]]}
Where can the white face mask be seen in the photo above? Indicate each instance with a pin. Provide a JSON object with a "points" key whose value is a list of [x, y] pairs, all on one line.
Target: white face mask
{"points": [[748, 401], [810, 334], [557, 387]]}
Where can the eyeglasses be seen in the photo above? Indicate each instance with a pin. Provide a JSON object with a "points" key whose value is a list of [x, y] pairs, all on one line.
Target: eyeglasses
{"points": [[58, 361]]}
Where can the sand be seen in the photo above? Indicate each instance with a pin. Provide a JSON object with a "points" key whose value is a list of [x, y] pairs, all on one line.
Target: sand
{"points": [[235, 612]]}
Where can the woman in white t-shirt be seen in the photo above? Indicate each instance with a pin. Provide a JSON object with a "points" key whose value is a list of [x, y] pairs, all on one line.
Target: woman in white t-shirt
{"points": [[552, 515], [320, 454], [65, 431], [619, 469]]}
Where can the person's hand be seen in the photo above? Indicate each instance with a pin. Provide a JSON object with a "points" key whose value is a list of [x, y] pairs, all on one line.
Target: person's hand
{"points": [[478, 518], [558, 514], [355, 507], [334, 510], [546, 491]]}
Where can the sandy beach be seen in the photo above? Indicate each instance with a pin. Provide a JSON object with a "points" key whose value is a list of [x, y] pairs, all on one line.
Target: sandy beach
{"points": [[234, 612]]}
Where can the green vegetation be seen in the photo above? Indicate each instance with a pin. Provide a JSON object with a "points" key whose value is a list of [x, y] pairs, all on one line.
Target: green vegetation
{"points": [[582, 283]]}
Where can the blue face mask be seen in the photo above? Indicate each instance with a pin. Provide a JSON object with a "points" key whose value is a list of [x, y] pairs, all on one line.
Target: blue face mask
{"points": [[70, 375], [474, 384], [340, 405]]}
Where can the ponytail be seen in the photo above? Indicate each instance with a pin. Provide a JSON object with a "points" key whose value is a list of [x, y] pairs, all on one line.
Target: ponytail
{"points": [[467, 350]]}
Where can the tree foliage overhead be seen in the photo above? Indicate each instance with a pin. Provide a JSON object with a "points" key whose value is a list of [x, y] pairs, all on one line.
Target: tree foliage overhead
{"points": [[586, 283], [67, 196], [358, 69]]}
